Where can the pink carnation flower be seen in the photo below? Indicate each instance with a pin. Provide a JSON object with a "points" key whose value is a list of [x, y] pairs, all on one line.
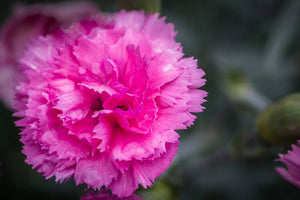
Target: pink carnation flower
{"points": [[292, 162], [105, 195], [103, 98], [26, 23]]}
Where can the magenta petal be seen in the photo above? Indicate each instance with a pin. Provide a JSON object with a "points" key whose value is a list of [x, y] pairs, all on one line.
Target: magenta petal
{"points": [[103, 132], [74, 105], [292, 162], [287, 176], [135, 71]]}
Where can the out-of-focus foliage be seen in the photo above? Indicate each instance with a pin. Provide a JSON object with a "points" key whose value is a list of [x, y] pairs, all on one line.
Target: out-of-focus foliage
{"points": [[149, 6], [250, 51]]}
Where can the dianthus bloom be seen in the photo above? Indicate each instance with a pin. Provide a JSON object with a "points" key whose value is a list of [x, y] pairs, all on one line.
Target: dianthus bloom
{"points": [[105, 195], [102, 100], [26, 23], [292, 161]]}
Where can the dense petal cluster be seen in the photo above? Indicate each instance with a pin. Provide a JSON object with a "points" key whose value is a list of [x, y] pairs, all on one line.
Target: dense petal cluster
{"points": [[292, 162], [105, 195], [27, 23], [103, 99]]}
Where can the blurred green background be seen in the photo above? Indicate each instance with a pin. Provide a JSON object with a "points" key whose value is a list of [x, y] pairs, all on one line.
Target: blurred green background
{"points": [[250, 51]]}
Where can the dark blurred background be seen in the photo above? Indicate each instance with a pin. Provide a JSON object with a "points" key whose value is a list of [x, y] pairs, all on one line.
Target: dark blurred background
{"points": [[250, 51]]}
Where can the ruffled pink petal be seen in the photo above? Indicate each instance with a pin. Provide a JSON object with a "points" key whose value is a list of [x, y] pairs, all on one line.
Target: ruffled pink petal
{"points": [[96, 171], [102, 98], [143, 172]]}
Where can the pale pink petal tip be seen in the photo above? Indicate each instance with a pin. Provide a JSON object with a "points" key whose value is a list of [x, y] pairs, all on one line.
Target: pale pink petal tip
{"points": [[102, 99]]}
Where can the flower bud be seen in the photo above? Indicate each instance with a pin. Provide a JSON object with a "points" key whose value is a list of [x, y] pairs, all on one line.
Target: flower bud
{"points": [[280, 123]]}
